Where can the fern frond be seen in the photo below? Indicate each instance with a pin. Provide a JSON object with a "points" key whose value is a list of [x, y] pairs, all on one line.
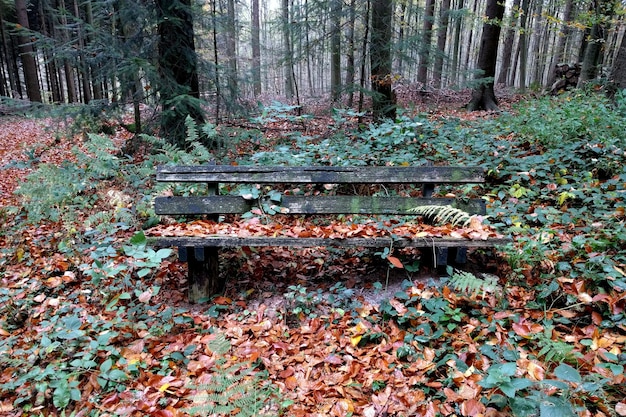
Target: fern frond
{"points": [[467, 282], [220, 345], [98, 219], [443, 214]]}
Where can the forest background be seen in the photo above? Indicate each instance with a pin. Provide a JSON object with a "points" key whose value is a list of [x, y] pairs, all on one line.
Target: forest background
{"points": [[95, 94]]}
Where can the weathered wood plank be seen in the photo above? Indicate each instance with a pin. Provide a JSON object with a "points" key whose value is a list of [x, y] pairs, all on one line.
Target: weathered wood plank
{"points": [[320, 174], [374, 242], [310, 205]]}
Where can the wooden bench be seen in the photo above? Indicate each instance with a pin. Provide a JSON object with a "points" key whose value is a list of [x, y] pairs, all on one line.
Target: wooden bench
{"points": [[201, 253]]}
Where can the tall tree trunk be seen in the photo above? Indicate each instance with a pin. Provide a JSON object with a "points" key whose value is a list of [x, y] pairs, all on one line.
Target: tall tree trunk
{"points": [[384, 103], [256, 49], [178, 87], [366, 24], [96, 76], [507, 50], [483, 96], [427, 34], [27, 54], [14, 84], [288, 54], [442, 34], [538, 38], [350, 53], [618, 73], [456, 49], [335, 50], [231, 51], [523, 46], [600, 10]]}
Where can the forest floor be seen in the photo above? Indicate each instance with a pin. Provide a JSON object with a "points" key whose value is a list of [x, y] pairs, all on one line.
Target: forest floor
{"points": [[330, 333]]}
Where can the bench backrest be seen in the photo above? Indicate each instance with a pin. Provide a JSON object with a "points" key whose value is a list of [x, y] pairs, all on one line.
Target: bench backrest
{"points": [[213, 175]]}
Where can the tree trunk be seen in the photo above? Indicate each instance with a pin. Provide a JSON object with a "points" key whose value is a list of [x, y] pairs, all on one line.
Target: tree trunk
{"points": [[350, 71], [288, 55], [231, 50], [366, 24], [178, 88], [522, 46], [507, 50], [619, 66], [589, 70], [27, 54], [559, 51], [442, 34], [456, 48], [427, 34], [335, 50], [384, 103], [483, 96], [256, 48]]}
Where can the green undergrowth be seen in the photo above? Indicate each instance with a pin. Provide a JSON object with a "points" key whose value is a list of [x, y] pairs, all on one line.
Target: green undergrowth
{"points": [[556, 183]]}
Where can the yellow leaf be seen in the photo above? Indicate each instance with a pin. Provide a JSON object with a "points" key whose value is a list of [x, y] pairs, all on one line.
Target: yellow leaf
{"points": [[164, 387], [354, 340]]}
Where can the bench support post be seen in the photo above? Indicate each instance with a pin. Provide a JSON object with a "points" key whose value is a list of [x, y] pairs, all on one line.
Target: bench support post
{"points": [[203, 277]]}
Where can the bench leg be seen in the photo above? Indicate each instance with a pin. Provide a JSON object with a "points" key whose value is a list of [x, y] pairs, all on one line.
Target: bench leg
{"points": [[203, 277]]}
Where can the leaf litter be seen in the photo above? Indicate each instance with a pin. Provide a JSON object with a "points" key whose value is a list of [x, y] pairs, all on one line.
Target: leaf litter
{"points": [[424, 351]]}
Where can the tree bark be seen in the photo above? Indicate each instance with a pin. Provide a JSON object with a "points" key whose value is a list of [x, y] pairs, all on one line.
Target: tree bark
{"points": [[350, 70], [288, 58], [522, 45], [442, 34], [507, 50], [384, 103], [231, 47], [483, 96], [619, 66], [27, 54], [427, 33], [335, 50], [595, 40], [256, 49], [559, 51]]}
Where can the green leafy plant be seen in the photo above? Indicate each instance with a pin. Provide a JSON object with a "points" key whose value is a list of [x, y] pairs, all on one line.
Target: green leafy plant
{"points": [[237, 390], [463, 281]]}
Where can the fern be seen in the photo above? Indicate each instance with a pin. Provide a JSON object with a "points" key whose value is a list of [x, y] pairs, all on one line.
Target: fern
{"points": [[235, 388], [443, 214], [467, 282]]}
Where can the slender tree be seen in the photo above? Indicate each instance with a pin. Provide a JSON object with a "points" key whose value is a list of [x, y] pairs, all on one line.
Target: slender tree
{"points": [[384, 103], [256, 48], [288, 51], [442, 35], [618, 73], [483, 96], [350, 69], [600, 11], [427, 34], [559, 51], [335, 49], [27, 54], [507, 49]]}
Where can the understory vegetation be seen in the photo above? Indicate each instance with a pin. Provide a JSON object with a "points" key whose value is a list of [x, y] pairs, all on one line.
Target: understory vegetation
{"points": [[93, 319]]}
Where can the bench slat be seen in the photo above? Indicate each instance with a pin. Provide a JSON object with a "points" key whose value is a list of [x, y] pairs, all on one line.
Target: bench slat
{"points": [[373, 242], [320, 175], [310, 205]]}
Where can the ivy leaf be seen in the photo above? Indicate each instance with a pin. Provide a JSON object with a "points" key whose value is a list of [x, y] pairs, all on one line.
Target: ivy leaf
{"points": [[567, 373]]}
